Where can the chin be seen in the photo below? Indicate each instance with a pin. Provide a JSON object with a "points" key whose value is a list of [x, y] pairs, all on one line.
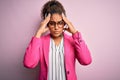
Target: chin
{"points": [[56, 35]]}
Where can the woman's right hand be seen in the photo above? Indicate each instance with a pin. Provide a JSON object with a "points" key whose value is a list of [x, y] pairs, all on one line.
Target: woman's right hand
{"points": [[42, 29]]}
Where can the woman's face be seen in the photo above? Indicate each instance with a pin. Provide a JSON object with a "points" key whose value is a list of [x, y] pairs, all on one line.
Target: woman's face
{"points": [[56, 25]]}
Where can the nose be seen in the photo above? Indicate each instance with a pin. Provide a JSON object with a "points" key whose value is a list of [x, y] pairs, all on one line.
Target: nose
{"points": [[56, 26]]}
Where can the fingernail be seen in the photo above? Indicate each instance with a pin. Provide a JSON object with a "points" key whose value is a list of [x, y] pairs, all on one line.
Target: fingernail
{"points": [[62, 14], [49, 14]]}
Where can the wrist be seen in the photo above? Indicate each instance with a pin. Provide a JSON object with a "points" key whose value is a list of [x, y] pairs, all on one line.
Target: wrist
{"points": [[73, 32], [38, 34]]}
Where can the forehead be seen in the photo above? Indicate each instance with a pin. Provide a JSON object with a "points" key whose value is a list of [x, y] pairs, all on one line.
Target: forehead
{"points": [[56, 17]]}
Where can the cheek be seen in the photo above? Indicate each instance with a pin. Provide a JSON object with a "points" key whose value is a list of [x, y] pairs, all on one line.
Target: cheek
{"points": [[51, 30], [62, 29]]}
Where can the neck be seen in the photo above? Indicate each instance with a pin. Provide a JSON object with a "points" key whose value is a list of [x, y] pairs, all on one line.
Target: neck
{"points": [[57, 39]]}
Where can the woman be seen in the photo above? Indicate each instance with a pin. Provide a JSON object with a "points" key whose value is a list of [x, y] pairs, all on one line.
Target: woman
{"points": [[57, 52]]}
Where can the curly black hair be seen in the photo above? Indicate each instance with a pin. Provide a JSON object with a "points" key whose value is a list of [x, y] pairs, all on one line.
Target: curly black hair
{"points": [[52, 7]]}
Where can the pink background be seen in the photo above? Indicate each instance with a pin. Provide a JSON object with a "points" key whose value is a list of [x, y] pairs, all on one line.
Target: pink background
{"points": [[97, 20]]}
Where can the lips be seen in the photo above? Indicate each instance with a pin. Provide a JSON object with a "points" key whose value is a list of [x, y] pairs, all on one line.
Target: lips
{"points": [[56, 32]]}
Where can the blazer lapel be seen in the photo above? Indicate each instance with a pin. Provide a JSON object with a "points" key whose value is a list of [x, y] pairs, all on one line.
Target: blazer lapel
{"points": [[46, 44], [65, 48]]}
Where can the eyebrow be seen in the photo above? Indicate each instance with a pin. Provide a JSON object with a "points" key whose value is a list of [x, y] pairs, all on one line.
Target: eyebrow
{"points": [[57, 21]]}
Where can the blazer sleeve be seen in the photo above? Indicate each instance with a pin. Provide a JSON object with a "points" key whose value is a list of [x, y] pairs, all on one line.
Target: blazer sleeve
{"points": [[32, 53], [81, 50]]}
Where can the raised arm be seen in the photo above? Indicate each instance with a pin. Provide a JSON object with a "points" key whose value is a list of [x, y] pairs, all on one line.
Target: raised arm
{"points": [[82, 51], [33, 51]]}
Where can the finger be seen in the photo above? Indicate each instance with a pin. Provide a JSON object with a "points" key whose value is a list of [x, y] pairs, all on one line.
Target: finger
{"points": [[64, 18], [63, 15], [48, 17], [46, 29]]}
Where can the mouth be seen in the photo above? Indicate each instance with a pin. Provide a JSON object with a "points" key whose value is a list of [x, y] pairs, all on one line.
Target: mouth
{"points": [[56, 32]]}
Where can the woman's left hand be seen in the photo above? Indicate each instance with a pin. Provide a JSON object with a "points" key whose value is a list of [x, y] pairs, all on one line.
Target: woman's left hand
{"points": [[70, 28]]}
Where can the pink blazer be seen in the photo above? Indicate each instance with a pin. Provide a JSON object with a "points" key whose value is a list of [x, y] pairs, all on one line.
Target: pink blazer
{"points": [[74, 48]]}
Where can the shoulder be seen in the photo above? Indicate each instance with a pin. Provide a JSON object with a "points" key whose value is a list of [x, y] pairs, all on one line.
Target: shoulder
{"points": [[46, 36], [68, 37]]}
